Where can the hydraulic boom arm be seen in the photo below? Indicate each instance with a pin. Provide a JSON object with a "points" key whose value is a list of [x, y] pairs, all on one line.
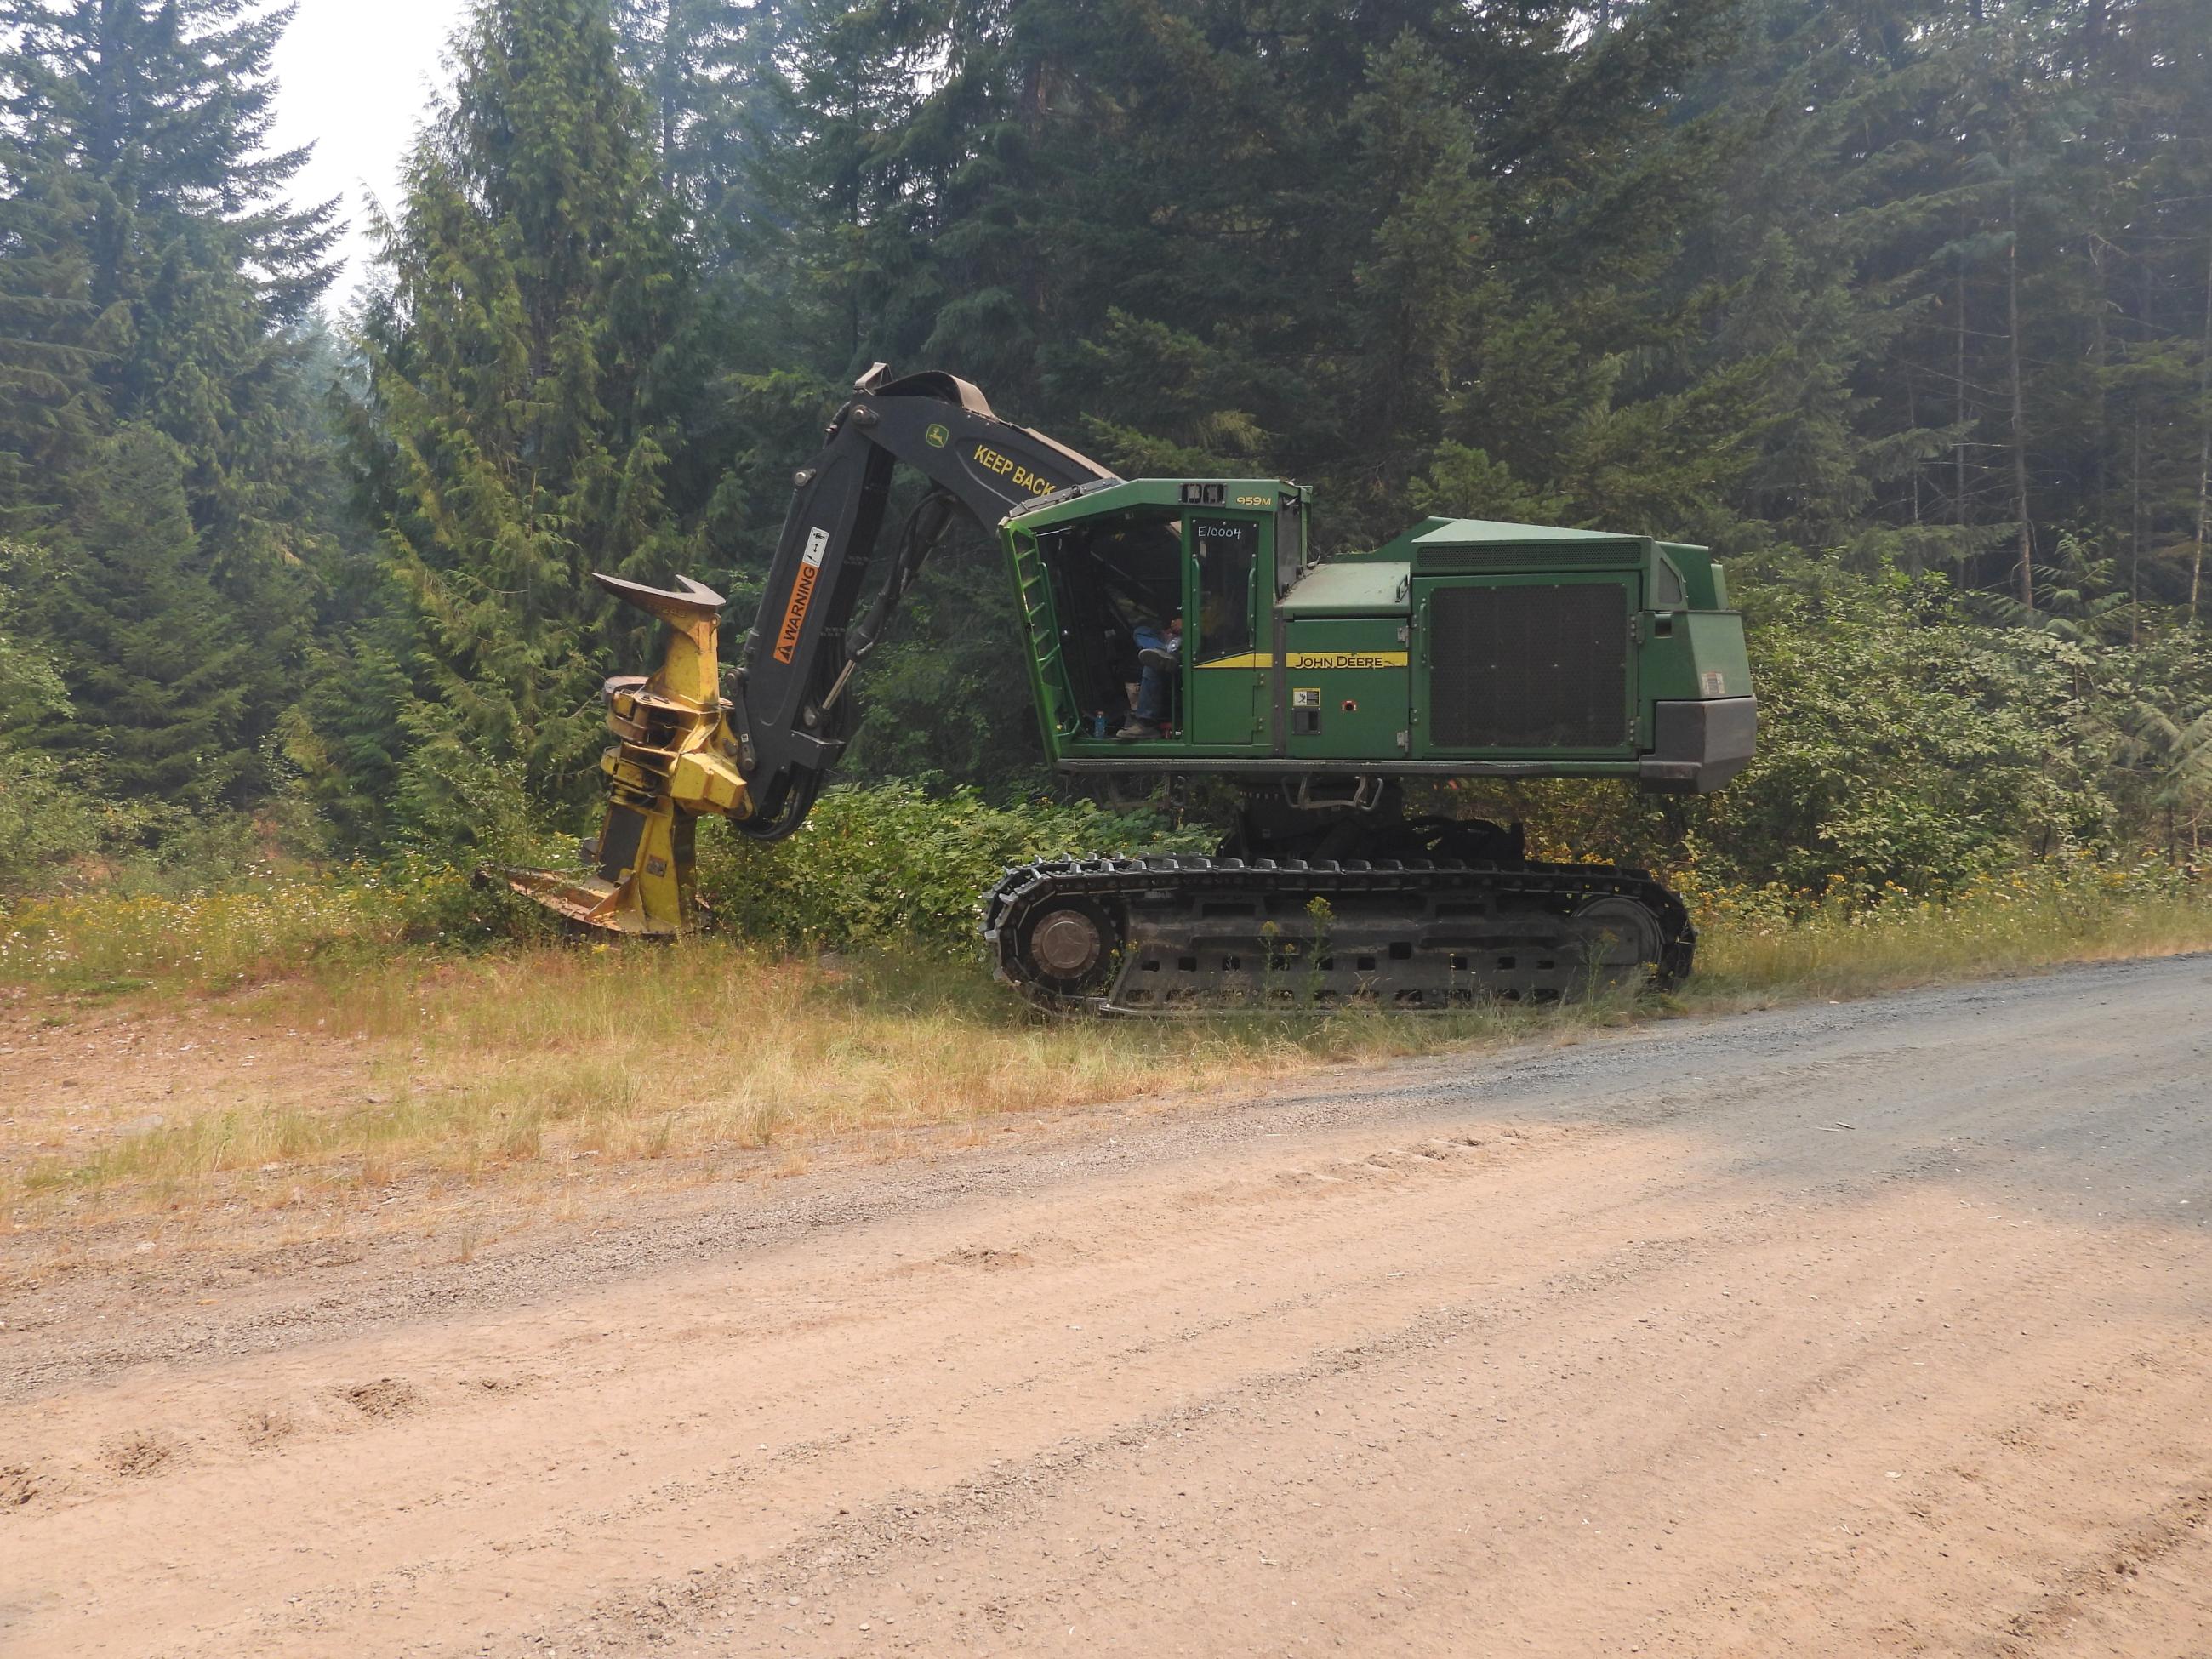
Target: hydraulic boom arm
{"points": [[794, 668], [760, 756]]}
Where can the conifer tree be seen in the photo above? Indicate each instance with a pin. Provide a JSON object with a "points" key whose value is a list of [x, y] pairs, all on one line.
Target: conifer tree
{"points": [[32, 694], [51, 405], [141, 128], [155, 275], [531, 365], [346, 738], [707, 70], [152, 659]]}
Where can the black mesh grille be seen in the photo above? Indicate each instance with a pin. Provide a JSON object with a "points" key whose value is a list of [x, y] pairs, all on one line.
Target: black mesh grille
{"points": [[1529, 667]]}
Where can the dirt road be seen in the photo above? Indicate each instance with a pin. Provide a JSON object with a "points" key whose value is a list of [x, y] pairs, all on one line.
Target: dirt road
{"points": [[1873, 1328]]}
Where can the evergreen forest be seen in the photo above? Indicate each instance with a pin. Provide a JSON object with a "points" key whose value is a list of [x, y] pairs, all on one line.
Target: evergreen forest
{"points": [[1903, 306]]}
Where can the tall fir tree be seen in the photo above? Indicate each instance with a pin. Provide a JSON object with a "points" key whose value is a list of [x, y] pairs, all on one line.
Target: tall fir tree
{"points": [[531, 366], [707, 70], [153, 661], [157, 275], [50, 405]]}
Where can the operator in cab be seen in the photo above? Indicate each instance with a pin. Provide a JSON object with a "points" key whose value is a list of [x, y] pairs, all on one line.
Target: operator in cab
{"points": [[1159, 654]]}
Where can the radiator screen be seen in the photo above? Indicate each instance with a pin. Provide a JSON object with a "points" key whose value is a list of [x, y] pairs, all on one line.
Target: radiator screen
{"points": [[1529, 667]]}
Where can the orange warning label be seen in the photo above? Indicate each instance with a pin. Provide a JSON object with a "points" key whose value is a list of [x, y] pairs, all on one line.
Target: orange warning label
{"points": [[802, 594]]}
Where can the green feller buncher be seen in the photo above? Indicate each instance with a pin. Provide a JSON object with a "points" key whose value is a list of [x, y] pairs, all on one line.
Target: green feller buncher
{"points": [[1184, 628]]}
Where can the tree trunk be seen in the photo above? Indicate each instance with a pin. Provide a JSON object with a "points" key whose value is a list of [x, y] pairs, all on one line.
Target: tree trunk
{"points": [[1035, 96], [2134, 465], [671, 72], [2135, 532], [1959, 386], [1912, 424], [2203, 450], [2019, 419], [2097, 348]]}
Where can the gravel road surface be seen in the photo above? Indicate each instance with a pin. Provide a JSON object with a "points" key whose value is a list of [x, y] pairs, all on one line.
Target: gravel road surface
{"points": [[1877, 1328]]}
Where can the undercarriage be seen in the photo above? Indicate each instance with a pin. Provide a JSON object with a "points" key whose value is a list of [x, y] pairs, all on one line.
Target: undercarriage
{"points": [[1441, 914]]}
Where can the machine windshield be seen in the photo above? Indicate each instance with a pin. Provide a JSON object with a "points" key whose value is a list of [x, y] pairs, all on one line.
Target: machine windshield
{"points": [[1112, 576]]}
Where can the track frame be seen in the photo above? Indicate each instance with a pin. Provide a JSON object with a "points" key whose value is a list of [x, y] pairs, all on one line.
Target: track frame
{"points": [[1203, 937]]}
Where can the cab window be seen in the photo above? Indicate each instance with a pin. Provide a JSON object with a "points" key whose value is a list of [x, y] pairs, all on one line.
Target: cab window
{"points": [[1108, 575], [1227, 552]]}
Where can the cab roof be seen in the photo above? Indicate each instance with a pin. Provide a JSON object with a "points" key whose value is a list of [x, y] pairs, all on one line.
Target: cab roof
{"points": [[1470, 532], [1099, 496]]}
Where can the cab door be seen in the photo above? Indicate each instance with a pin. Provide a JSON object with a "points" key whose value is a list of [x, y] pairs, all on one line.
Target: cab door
{"points": [[1227, 651]]}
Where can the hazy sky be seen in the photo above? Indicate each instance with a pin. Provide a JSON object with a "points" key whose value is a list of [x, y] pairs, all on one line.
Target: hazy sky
{"points": [[353, 76]]}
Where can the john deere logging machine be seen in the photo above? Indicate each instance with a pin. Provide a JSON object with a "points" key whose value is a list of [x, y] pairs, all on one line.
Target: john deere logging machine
{"points": [[1318, 686]]}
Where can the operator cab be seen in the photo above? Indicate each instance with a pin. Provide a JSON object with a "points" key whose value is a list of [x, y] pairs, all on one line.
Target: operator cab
{"points": [[1110, 575], [1105, 572]]}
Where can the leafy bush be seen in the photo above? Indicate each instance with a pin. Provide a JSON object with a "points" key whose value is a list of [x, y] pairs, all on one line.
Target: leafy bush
{"points": [[893, 863], [53, 817], [1899, 745]]}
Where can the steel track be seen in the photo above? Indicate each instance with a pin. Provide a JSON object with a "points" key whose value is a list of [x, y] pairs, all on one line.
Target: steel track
{"points": [[1195, 936]]}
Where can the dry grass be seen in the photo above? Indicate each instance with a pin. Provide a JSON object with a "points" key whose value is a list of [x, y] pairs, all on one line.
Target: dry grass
{"points": [[540, 1062], [554, 1055], [2018, 924], [232, 934]]}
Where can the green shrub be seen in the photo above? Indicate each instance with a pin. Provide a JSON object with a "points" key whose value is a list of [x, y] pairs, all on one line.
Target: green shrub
{"points": [[441, 904], [892, 863], [1899, 745], [53, 818]]}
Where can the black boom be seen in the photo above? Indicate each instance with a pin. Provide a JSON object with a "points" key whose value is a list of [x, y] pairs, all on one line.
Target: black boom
{"points": [[792, 717]]}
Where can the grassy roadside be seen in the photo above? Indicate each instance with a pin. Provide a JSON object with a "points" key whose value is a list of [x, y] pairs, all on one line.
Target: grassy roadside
{"points": [[1754, 949], [522, 1062], [530, 1062]]}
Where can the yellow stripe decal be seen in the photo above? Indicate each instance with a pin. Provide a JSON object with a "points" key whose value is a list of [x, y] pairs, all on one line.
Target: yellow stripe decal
{"points": [[1347, 659], [1314, 659]]}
